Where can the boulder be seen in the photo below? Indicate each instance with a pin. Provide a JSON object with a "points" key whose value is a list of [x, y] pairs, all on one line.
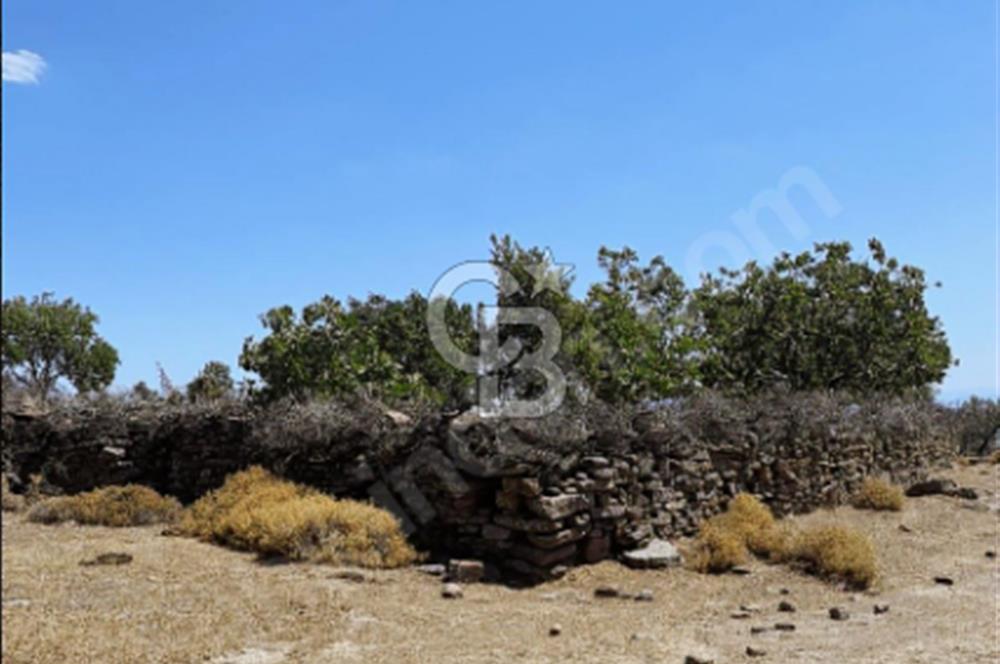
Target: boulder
{"points": [[465, 571], [451, 591], [658, 553], [931, 487]]}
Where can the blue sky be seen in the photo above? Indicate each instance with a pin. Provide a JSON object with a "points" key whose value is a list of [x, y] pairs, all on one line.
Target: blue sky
{"points": [[182, 167]]}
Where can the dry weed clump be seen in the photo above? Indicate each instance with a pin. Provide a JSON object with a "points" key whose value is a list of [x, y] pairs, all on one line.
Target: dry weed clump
{"points": [[876, 494], [117, 506], [256, 511], [995, 457], [727, 539], [837, 552], [748, 526]]}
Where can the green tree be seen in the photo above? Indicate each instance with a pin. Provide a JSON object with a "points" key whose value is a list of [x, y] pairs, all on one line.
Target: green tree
{"points": [[212, 383], [820, 320], [625, 342], [636, 345], [44, 340], [377, 347], [142, 392]]}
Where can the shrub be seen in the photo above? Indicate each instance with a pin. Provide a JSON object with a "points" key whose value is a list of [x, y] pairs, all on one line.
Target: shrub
{"points": [[256, 511], [726, 539], [975, 423], [219, 514], [876, 494], [838, 552], [716, 550], [748, 526], [821, 319], [118, 506], [213, 382]]}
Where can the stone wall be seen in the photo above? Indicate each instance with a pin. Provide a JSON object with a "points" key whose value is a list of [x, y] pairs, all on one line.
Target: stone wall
{"points": [[531, 497]]}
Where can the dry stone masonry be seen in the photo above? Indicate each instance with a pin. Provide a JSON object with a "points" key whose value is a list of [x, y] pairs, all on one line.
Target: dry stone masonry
{"points": [[529, 497]]}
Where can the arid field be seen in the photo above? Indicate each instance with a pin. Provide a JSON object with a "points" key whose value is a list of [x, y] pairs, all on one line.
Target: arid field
{"points": [[180, 600]]}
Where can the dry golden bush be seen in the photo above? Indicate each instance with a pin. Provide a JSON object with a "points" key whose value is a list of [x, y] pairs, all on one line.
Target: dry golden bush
{"points": [[876, 494], [748, 526], [836, 551], [222, 514], [716, 549], [256, 511], [726, 539], [118, 506]]}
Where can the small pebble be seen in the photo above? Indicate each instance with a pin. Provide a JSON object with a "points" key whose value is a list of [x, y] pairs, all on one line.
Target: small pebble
{"points": [[755, 652], [758, 630], [606, 591], [991, 554], [944, 580], [644, 595], [555, 630], [881, 608], [837, 613], [784, 591], [784, 627], [432, 569], [786, 607]]}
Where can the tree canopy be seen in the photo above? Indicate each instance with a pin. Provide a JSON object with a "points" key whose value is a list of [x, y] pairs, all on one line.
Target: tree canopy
{"points": [[213, 382], [378, 347], [821, 319], [45, 340]]}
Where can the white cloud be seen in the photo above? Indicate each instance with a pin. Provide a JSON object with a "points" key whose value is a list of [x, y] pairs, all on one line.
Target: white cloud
{"points": [[22, 66]]}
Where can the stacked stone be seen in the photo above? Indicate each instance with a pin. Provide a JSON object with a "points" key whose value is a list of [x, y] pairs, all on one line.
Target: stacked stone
{"points": [[529, 500]]}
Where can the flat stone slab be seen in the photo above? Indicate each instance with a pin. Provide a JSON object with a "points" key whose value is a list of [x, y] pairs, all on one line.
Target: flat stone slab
{"points": [[658, 553]]}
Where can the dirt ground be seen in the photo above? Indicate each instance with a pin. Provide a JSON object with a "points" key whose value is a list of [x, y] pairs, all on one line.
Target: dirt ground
{"points": [[185, 601]]}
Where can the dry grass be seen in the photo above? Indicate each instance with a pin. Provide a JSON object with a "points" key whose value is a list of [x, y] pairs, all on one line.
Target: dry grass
{"points": [[116, 506], [182, 601], [727, 539], [995, 457], [716, 550], [836, 552], [256, 511], [748, 526], [876, 494]]}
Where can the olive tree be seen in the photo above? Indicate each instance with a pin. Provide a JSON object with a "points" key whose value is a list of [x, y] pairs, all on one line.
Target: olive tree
{"points": [[45, 340], [377, 347], [821, 320]]}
